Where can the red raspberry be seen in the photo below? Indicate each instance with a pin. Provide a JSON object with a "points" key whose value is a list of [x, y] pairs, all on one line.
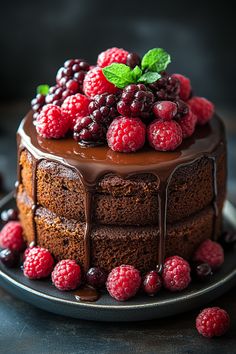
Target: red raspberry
{"points": [[164, 135], [185, 86], [28, 249], [11, 236], [66, 275], [176, 273], [123, 282], [50, 123], [165, 110], [74, 107], [188, 124], [126, 134], [212, 322], [95, 83], [38, 263], [152, 283], [210, 252], [112, 55], [203, 109]]}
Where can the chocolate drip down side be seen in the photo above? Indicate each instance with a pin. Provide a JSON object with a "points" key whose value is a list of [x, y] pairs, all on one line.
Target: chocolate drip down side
{"points": [[94, 163]]}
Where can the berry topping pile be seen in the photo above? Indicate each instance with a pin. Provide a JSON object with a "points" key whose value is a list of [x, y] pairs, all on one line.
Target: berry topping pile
{"points": [[87, 101]]}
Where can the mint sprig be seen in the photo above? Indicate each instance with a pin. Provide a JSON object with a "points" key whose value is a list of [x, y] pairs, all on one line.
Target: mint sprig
{"points": [[43, 89], [153, 62], [156, 60], [149, 77], [119, 74]]}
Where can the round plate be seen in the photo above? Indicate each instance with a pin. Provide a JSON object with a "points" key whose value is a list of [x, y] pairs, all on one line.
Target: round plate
{"points": [[44, 295]]}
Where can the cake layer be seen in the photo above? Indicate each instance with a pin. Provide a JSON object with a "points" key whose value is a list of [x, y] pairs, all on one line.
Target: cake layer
{"points": [[114, 245], [118, 201]]}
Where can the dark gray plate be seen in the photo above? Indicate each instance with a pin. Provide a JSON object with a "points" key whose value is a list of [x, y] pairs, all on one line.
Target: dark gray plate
{"points": [[43, 294]]}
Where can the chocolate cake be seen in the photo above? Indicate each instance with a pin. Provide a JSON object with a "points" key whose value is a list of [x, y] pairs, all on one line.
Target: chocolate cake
{"points": [[105, 208]]}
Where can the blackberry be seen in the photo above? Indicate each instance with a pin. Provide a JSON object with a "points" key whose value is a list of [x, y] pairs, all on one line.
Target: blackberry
{"points": [[103, 108], [202, 271], [37, 103], [136, 101], [87, 132], [132, 60], [72, 74], [228, 240], [182, 109], [57, 95], [166, 88]]}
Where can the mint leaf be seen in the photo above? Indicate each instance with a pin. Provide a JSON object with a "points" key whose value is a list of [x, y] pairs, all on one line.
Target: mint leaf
{"points": [[136, 73], [118, 74], [149, 77], [156, 59], [43, 89]]}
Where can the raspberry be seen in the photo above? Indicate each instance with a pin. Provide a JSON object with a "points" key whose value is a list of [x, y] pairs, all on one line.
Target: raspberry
{"points": [[133, 60], [88, 132], [123, 282], [210, 252], [203, 109], [95, 83], [51, 123], [152, 283], [126, 134], [112, 55], [56, 95], [212, 322], [188, 124], [165, 110], [164, 135], [176, 273], [75, 106], [38, 263], [66, 275], [37, 103], [185, 86], [11, 236], [27, 251], [166, 88], [96, 277], [136, 101], [103, 108], [71, 75]]}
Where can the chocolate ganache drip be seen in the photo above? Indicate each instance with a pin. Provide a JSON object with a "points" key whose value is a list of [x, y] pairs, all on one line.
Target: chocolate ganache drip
{"points": [[95, 162]]}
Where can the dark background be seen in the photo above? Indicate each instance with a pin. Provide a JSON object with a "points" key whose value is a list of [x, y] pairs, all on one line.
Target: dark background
{"points": [[37, 36]]}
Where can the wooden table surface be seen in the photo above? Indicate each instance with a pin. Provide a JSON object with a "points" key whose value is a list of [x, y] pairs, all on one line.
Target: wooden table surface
{"points": [[26, 329]]}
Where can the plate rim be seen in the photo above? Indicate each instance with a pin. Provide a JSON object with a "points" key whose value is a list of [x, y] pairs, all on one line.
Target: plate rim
{"points": [[229, 213]]}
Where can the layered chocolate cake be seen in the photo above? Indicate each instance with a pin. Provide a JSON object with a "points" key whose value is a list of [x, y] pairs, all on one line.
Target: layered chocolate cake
{"points": [[104, 206]]}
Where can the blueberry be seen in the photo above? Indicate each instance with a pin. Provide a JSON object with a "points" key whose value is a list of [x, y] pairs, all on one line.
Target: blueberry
{"points": [[9, 258], [96, 277]]}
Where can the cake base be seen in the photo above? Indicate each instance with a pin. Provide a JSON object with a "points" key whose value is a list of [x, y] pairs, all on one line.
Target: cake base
{"points": [[43, 294]]}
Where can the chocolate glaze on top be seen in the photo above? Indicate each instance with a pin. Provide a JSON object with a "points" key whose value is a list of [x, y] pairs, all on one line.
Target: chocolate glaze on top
{"points": [[92, 163]]}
